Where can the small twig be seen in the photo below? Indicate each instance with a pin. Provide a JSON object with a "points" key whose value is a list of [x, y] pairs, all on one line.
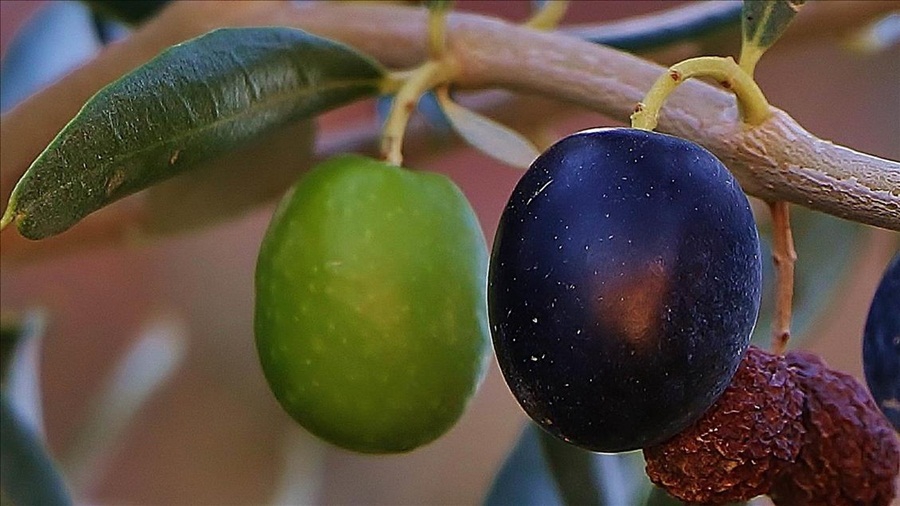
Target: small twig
{"points": [[807, 171], [426, 77], [784, 257], [751, 101]]}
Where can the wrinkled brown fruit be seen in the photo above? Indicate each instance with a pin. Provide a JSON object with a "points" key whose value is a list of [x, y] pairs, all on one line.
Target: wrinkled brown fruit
{"points": [[738, 448], [850, 453]]}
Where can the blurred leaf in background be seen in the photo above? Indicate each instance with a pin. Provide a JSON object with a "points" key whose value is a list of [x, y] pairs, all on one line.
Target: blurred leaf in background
{"points": [[55, 40], [128, 11], [542, 470]]}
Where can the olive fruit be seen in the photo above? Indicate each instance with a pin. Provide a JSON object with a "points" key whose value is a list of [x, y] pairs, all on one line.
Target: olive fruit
{"points": [[371, 318], [623, 288], [881, 344]]}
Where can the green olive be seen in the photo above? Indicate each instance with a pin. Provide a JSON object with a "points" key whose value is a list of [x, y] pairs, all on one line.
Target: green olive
{"points": [[371, 319]]}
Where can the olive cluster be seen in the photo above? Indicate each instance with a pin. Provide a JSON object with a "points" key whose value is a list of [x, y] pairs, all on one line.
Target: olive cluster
{"points": [[623, 289]]}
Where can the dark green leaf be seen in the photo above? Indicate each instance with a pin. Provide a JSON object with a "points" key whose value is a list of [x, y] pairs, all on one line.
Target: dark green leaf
{"points": [[542, 470], [524, 479], [10, 332], [27, 473], [763, 23], [689, 22], [573, 470], [659, 497], [15, 330], [192, 103], [826, 247], [129, 11]]}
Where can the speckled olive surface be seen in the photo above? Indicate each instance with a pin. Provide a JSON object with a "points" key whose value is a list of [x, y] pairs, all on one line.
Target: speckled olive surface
{"points": [[371, 319], [624, 286], [881, 344]]}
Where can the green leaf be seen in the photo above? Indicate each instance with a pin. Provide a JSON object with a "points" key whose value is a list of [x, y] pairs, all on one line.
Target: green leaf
{"points": [[11, 331], [573, 470], [27, 473], [59, 37], [763, 23], [691, 21], [524, 479], [659, 497], [16, 330], [192, 103], [826, 247], [130, 11], [488, 136], [542, 470]]}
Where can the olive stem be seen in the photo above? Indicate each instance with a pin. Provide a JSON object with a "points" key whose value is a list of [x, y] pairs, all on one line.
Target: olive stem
{"points": [[549, 16], [426, 77], [807, 171], [784, 256], [435, 71], [752, 103]]}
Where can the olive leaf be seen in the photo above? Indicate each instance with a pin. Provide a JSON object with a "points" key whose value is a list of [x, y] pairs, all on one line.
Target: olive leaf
{"points": [[525, 479], [15, 331], [692, 21], [542, 470], [824, 244], [58, 38], [763, 23], [27, 473], [659, 497], [488, 136], [192, 103], [572, 468], [130, 11]]}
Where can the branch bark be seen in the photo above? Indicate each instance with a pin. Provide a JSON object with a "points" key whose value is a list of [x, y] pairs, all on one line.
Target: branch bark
{"points": [[777, 160]]}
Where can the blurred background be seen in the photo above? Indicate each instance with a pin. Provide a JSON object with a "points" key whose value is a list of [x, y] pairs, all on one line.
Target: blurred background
{"points": [[212, 433]]}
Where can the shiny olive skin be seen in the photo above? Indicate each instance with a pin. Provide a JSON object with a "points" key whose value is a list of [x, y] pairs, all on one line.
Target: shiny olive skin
{"points": [[371, 318], [624, 285], [881, 344]]}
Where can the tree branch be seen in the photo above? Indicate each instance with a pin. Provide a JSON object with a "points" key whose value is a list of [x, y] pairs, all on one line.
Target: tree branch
{"points": [[778, 160]]}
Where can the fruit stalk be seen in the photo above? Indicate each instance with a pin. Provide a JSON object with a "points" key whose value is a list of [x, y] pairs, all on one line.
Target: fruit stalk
{"points": [[429, 75], [753, 105], [784, 256], [808, 171], [549, 16], [437, 70]]}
